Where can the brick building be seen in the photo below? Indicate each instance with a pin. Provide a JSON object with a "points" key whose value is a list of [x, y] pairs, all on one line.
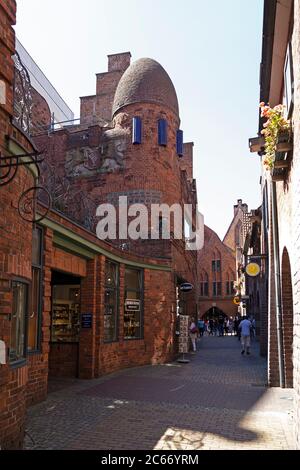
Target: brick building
{"points": [[280, 233], [218, 266], [71, 304], [16, 177]]}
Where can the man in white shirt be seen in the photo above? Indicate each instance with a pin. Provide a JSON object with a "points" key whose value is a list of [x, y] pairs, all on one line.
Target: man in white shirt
{"points": [[245, 327]]}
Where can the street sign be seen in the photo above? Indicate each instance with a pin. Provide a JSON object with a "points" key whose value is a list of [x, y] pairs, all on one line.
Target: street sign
{"points": [[132, 305], [253, 269], [186, 287], [236, 300]]}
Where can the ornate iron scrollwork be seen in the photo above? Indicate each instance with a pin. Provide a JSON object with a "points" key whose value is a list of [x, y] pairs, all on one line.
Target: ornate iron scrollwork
{"points": [[8, 169], [22, 96], [27, 204], [67, 198]]}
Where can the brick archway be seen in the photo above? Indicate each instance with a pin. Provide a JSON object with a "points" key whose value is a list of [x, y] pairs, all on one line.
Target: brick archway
{"points": [[287, 315]]}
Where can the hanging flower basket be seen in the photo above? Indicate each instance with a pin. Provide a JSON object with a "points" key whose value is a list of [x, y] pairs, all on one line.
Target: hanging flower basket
{"points": [[277, 133]]}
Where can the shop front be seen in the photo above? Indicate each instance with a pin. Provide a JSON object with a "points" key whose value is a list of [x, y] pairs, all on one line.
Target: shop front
{"points": [[65, 325]]}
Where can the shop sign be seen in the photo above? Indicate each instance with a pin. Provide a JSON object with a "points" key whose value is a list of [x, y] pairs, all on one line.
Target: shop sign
{"points": [[186, 287], [236, 300], [183, 333], [252, 269], [132, 305], [86, 320]]}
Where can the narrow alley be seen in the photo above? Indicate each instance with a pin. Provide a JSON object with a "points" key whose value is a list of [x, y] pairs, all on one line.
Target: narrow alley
{"points": [[219, 400]]}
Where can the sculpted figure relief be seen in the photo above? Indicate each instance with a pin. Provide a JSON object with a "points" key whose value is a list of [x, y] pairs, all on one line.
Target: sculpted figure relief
{"points": [[107, 158]]}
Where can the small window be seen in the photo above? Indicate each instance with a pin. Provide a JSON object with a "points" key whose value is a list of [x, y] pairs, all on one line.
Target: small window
{"points": [[17, 348], [179, 143], [136, 130], [162, 132], [217, 289]]}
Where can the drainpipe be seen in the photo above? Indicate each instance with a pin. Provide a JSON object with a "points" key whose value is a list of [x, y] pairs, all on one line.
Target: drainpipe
{"points": [[277, 285]]}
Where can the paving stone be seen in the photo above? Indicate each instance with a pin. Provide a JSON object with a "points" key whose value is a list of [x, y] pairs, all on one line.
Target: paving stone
{"points": [[217, 401]]}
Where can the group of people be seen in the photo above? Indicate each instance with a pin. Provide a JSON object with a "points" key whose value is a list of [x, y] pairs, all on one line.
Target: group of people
{"points": [[242, 327]]}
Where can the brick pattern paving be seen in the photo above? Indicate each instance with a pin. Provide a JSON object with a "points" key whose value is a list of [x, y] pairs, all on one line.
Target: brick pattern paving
{"points": [[217, 401]]}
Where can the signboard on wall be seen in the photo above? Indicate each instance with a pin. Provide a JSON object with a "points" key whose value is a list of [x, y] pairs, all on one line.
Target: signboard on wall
{"points": [[253, 269], [132, 305], [86, 320], [186, 287], [183, 333]]}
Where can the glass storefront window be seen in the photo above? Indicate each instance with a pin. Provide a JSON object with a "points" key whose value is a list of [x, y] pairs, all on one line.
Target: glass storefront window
{"points": [[133, 304], [17, 349], [111, 301]]}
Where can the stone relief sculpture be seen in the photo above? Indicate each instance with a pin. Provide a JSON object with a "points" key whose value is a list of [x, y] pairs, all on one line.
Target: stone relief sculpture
{"points": [[113, 149], [107, 158], [82, 161]]}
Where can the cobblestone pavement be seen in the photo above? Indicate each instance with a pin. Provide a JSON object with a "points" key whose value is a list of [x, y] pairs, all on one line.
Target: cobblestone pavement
{"points": [[219, 400]]}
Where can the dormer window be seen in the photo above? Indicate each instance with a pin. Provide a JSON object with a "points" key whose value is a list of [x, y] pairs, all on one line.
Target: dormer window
{"points": [[136, 130], [162, 132], [179, 143]]}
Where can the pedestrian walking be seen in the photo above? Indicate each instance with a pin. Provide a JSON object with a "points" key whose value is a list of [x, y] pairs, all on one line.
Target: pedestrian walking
{"points": [[245, 329], [201, 327], [193, 332]]}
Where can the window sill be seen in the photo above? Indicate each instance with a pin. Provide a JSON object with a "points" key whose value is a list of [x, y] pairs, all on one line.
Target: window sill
{"points": [[33, 352], [18, 363]]}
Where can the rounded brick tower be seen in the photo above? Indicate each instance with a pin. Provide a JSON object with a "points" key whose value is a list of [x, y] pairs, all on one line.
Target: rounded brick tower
{"points": [[146, 103]]}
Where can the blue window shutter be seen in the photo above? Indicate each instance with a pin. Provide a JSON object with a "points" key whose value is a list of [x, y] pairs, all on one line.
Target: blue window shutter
{"points": [[162, 132], [136, 130], [179, 143]]}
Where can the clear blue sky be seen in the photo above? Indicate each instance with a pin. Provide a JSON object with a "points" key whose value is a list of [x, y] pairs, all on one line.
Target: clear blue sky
{"points": [[210, 49]]}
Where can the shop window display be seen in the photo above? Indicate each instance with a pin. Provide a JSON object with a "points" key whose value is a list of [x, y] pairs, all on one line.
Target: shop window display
{"points": [[65, 313], [133, 308]]}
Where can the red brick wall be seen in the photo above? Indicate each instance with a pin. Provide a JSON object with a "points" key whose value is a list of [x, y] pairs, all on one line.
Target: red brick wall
{"points": [[295, 254], [15, 261], [213, 244], [119, 61], [63, 261], [15, 244], [63, 360], [96, 108]]}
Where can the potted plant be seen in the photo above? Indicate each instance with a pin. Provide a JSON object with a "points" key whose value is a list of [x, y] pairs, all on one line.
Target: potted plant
{"points": [[277, 133]]}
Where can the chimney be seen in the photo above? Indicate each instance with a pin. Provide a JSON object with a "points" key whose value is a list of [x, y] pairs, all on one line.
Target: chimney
{"points": [[118, 62]]}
